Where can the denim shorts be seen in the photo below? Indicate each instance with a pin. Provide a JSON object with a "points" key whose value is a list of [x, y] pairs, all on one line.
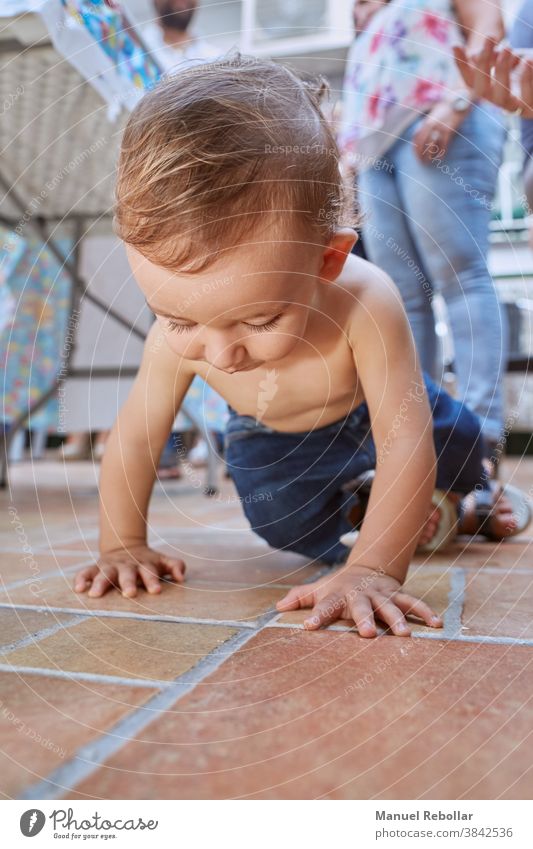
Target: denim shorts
{"points": [[291, 484]]}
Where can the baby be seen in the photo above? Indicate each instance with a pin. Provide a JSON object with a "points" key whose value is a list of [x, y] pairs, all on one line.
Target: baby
{"points": [[237, 227]]}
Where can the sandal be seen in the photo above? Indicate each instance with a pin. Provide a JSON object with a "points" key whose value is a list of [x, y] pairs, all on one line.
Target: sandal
{"points": [[484, 505], [448, 522], [169, 473]]}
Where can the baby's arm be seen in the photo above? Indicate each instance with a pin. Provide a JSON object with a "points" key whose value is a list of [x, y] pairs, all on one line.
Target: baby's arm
{"points": [[128, 473], [402, 429], [369, 585]]}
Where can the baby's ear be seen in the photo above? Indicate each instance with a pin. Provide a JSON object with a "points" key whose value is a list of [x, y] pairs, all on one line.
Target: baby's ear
{"points": [[336, 252]]}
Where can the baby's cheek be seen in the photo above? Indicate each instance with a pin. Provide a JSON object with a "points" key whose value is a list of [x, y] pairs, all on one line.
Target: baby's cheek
{"points": [[185, 344], [274, 347]]}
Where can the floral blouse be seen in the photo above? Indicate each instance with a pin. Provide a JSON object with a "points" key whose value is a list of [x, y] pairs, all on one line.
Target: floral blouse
{"points": [[397, 69]]}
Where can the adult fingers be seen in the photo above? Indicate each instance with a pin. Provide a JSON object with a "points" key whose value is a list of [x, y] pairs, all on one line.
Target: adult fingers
{"points": [[327, 610], [482, 62], [501, 85], [408, 604], [465, 67], [526, 88], [431, 141], [391, 614], [363, 616], [421, 141]]}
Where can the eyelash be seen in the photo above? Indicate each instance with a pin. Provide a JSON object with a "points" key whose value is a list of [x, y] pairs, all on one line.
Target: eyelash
{"points": [[255, 328]]}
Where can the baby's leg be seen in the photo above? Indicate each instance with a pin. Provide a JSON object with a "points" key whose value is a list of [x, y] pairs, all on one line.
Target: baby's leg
{"points": [[291, 485]]}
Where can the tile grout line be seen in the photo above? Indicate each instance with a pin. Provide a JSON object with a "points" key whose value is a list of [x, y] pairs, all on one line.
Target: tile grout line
{"points": [[453, 615], [61, 674], [14, 585], [67, 571], [441, 634], [118, 614], [476, 638], [423, 635], [42, 634], [90, 757]]}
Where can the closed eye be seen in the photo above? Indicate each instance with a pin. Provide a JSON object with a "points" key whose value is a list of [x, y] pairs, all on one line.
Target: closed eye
{"points": [[175, 327], [260, 328], [178, 328]]}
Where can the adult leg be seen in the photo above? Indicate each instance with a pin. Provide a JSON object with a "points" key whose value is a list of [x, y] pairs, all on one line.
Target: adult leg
{"points": [[389, 244], [448, 204]]}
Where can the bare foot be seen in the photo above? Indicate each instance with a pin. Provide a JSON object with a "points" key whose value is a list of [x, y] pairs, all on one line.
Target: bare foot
{"points": [[502, 522], [431, 526]]}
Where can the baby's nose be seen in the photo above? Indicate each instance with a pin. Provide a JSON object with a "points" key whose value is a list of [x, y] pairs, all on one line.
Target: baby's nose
{"points": [[226, 358]]}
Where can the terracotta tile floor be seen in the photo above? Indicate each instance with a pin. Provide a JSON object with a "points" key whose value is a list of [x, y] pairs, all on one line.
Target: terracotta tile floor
{"points": [[206, 692]]}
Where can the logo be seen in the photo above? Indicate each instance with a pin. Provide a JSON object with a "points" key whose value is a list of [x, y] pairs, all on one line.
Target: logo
{"points": [[32, 822]]}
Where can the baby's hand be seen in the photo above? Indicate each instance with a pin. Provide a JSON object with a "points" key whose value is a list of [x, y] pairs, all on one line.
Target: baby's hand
{"points": [[124, 569], [359, 593]]}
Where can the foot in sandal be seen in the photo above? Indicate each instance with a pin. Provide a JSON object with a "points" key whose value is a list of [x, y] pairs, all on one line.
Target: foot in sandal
{"points": [[500, 512], [495, 514]]}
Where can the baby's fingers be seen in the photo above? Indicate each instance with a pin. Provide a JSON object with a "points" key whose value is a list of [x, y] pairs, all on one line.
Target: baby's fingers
{"points": [[84, 578], [391, 614], [296, 598], [174, 567], [150, 578], [103, 581], [363, 616], [408, 604], [325, 612], [127, 580]]}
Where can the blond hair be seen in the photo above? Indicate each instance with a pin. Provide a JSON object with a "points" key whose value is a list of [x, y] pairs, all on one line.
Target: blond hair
{"points": [[218, 149]]}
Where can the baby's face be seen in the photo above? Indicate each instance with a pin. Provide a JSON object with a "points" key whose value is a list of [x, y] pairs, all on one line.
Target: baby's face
{"points": [[249, 309]]}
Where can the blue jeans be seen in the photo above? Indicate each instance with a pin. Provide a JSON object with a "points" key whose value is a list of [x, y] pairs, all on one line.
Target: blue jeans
{"points": [[291, 484], [427, 225]]}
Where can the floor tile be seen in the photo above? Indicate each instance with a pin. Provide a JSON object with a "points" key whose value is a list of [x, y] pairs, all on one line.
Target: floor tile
{"points": [[88, 546], [18, 624], [242, 563], [510, 554], [17, 566], [301, 715], [431, 586], [499, 605], [43, 721], [197, 600], [127, 648]]}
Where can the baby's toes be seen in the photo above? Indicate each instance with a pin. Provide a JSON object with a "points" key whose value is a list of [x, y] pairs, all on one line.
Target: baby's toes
{"points": [[503, 521]]}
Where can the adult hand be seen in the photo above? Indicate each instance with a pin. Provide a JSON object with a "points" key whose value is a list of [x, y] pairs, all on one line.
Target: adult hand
{"points": [[432, 139], [488, 73]]}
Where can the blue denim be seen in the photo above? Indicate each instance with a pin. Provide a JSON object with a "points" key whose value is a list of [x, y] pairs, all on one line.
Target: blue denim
{"points": [[427, 226], [291, 484]]}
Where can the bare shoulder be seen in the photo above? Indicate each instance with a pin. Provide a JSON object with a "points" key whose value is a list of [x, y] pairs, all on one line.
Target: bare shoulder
{"points": [[374, 294]]}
